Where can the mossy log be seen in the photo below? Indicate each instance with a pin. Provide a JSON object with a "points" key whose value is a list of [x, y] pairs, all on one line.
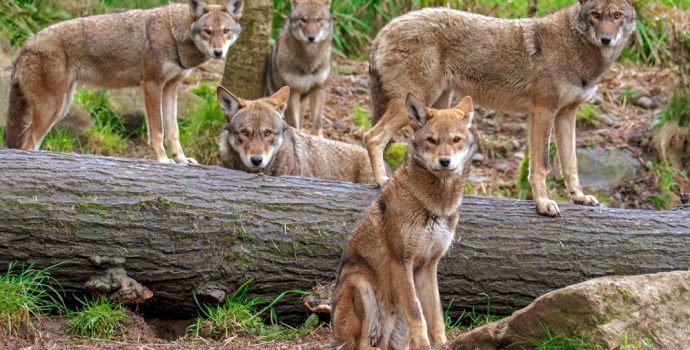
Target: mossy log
{"points": [[117, 223]]}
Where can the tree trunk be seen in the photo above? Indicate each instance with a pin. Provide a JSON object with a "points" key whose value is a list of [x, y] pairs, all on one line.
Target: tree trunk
{"points": [[245, 68], [179, 229], [533, 8]]}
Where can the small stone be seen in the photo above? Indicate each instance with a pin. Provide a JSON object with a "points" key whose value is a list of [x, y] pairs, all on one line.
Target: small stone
{"points": [[645, 102], [607, 119], [337, 125], [478, 158]]}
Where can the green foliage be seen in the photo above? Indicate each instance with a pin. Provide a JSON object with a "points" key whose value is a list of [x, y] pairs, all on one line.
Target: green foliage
{"points": [[626, 96], [469, 320], [60, 140], [560, 342], [98, 319], [667, 187], [199, 133], [108, 134], [360, 117], [677, 109], [2, 137], [394, 155], [588, 117], [524, 187], [26, 296], [241, 315], [19, 19]]}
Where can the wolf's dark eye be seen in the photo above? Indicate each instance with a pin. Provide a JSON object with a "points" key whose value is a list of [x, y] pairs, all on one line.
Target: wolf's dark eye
{"points": [[617, 15], [431, 140], [457, 139], [268, 133], [303, 20], [596, 15], [226, 31], [207, 31], [244, 132]]}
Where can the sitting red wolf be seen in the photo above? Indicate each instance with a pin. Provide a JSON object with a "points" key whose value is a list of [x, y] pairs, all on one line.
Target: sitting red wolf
{"points": [[386, 295], [155, 48], [545, 67], [257, 139]]}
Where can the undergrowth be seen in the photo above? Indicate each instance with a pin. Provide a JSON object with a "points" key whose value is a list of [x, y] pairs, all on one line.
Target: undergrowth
{"points": [[26, 295], [99, 318], [108, 136], [199, 134], [469, 320], [242, 315]]}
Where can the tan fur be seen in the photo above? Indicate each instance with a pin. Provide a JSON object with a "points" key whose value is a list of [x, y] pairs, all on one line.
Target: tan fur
{"points": [[154, 48], [257, 132], [301, 59], [545, 67], [386, 295]]}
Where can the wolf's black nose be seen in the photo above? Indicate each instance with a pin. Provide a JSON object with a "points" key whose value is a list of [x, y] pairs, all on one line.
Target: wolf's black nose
{"points": [[605, 40], [311, 38], [445, 162], [218, 53], [257, 160]]}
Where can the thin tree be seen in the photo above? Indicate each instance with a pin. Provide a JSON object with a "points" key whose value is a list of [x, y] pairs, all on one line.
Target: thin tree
{"points": [[533, 8], [245, 68]]}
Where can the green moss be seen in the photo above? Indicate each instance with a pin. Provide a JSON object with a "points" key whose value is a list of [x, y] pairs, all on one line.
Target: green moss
{"points": [[394, 155], [588, 117], [237, 259], [361, 118], [90, 207]]}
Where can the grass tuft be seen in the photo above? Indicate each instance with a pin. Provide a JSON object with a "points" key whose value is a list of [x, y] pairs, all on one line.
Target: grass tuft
{"points": [[469, 320], [588, 117], [665, 178], [108, 136], [25, 296], [2, 137], [21, 19], [241, 315], [524, 188], [360, 117], [98, 319], [60, 140], [199, 134]]}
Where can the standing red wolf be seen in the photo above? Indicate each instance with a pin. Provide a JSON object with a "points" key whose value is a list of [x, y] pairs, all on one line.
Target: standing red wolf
{"points": [[545, 67], [386, 294], [301, 59], [156, 48]]}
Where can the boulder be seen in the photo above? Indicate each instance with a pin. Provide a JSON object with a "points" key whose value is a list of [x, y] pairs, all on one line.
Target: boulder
{"points": [[78, 121], [606, 168], [129, 103], [649, 310]]}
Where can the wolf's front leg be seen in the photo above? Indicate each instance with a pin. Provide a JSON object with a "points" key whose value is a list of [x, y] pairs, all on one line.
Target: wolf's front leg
{"points": [[405, 293], [294, 110], [317, 97], [565, 138], [540, 124], [426, 283], [153, 97], [172, 131], [376, 139]]}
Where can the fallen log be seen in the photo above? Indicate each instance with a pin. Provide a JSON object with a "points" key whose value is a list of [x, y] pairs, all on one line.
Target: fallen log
{"points": [[131, 227]]}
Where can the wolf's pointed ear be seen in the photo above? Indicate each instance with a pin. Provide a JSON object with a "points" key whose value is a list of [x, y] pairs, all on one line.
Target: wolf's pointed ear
{"points": [[416, 111], [280, 99], [466, 106], [197, 7], [234, 8], [229, 103]]}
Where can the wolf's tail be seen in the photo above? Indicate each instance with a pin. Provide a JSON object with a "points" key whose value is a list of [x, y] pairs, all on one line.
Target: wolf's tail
{"points": [[379, 99], [17, 121]]}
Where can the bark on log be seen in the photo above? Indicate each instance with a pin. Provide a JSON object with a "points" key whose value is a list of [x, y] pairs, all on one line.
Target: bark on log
{"points": [[186, 228]]}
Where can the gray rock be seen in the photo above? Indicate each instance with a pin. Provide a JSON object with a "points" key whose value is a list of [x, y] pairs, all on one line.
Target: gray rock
{"points": [[129, 103], [648, 308], [607, 119], [606, 168], [78, 121], [478, 158], [645, 102]]}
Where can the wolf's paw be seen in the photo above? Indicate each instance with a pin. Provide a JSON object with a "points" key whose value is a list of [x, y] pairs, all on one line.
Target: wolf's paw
{"points": [[420, 343], [547, 207], [166, 160], [383, 182], [585, 200], [185, 160], [439, 339]]}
